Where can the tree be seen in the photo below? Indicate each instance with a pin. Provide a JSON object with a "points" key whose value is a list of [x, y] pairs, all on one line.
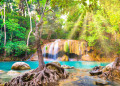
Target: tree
{"points": [[42, 75], [30, 26]]}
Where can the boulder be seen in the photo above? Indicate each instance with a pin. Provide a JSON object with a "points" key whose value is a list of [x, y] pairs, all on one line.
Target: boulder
{"points": [[57, 63], [96, 71], [52, 67], [65, 58], [1, 71], [67, 67], [20, 66], [11, 72]]}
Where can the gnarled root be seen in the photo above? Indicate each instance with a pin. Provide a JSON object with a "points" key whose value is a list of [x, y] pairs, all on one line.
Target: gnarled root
{"points": [[46, 77], [114, 72]]}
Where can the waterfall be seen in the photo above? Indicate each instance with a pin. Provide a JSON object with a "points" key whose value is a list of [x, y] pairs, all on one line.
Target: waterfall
{"points": [[50, 55], [56, 49], [64, 50], [44, 51]]}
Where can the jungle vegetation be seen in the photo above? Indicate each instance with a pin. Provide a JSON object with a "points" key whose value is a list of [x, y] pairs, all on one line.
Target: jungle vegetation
{"points": [[95, 21]]}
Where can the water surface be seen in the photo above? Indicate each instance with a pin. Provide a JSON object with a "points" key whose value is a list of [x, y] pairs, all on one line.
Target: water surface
{"points": [[6, 66]]}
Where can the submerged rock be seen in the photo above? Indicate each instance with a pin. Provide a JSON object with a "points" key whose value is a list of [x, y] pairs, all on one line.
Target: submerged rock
{"points": [[11, 72], [67, 67], [1, 71], [20, 66], [101, 82]]}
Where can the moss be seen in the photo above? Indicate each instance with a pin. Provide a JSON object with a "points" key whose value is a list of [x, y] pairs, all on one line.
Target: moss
{"points": [[46, 48], [20, 67], [66, 47]]}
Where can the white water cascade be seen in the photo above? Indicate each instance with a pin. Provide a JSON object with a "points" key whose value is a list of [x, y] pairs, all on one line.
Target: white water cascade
{"points": [[56, 49], [51, 51], [44, 51]]}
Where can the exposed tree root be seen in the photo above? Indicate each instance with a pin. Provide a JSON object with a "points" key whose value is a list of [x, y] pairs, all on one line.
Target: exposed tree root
{"points": [[46, 77], [114, 72]]}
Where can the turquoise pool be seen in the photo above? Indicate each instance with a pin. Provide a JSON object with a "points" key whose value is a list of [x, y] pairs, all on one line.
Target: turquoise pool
{"points": [[82, 65], [6, 66]]}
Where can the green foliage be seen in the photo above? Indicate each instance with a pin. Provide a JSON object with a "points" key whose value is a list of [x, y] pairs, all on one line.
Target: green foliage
{"points": [[17, 48], [97, 22], [20, 48], [9, 48]]}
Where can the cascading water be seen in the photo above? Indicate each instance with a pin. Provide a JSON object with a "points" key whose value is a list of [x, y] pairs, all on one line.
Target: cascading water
{"points": [[50, 55], [56, 49], [44, 51], [64, 49]]}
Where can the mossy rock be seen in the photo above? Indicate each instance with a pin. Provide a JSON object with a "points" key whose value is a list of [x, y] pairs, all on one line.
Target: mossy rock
{"points": [[20, 66], [57, 63], [53, 67], [65, 58]]}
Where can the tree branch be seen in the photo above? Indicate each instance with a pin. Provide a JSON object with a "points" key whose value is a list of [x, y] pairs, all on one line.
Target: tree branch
{"points": [[49, 10], [42, 15]]}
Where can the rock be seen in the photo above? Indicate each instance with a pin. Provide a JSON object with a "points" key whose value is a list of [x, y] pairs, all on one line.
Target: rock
{"points": [[87, 57], [67, 67], [97, 72], [53, 67], [57, 63], [101, 82], [65, 58], [11, 72], [112, 70], [20, 66], [1, 71], [108, 67], [7, 59]]}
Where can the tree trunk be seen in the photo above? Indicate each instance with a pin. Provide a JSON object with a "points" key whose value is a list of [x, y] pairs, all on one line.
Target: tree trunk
{"points": [[30, 31], [37, 37], [39, 50], [1, 18], [30, 28], [49, 34], [4, 32]]}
